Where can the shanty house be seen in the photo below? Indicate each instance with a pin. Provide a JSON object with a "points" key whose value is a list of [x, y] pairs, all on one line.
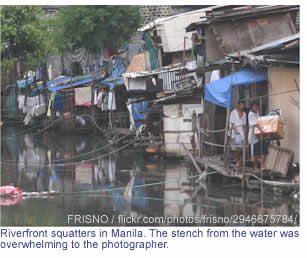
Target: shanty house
{"points": [[262, 39]]}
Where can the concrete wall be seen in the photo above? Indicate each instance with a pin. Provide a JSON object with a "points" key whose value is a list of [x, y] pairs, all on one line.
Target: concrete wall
{"points": [[281, 80], [229, 37], [177, 57], [152, 12], [177, 121]]}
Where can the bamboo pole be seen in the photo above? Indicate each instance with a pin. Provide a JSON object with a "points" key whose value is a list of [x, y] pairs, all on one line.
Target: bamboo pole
{"points": [[244, 178], [184, 46], [226, 135], [203, 102], [198, 133], [204, 121]]}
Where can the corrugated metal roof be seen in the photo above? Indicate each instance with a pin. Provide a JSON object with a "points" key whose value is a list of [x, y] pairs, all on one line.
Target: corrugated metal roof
{"points": [[172, 32], [241, 13], [274, 44], [158, 21], [147, 73]]}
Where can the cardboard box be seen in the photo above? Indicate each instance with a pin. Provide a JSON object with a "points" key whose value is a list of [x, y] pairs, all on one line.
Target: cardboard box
{"points": [[272, 126]]}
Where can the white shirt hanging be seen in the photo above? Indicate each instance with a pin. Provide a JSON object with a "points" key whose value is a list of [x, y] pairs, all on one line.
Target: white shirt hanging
{"points": [[112, 102], [95, 97]]}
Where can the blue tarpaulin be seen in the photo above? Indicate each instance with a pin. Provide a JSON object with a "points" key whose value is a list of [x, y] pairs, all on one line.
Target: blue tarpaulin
{"points": [[139, 112], [58, 80], [118, 68], [219, 91], [56, 88], [58, 103], [55, 82]]}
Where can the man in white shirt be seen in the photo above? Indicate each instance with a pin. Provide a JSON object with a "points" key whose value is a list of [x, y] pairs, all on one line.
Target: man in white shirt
{"points": [[258, 148], [237, 123]]}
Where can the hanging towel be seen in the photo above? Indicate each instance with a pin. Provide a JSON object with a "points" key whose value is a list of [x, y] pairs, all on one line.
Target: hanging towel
{"points": [[21, 101], [95, 97], [105, 103], [112, 102], [83, 96], [99, 99], [31, 103]]}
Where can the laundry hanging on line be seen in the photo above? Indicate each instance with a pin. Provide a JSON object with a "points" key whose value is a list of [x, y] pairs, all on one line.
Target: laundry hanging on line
{"points": [[58, 103], [102, 100], [23, 83], [83, 96], [105, 100], [32, 102], [111, 101], [95, 97], [21, 101]]}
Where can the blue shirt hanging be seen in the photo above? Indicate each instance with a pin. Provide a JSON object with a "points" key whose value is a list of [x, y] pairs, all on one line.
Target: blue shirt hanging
{"points": [[58, 103]]}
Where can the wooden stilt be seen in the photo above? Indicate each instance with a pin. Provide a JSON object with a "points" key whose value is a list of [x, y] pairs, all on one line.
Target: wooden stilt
{"points": [[193, 160], [203, 174]]}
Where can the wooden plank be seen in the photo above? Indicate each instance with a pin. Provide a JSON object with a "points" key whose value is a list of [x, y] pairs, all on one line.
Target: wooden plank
{"points": [[279, 159], [193, 160], [283, 162], [217, 165], [219, 168], [271, 158]]}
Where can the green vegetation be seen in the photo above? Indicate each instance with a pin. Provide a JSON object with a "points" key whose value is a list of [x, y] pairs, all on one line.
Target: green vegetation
{"points": [[24, 37], [94, 27], [28, 36]]}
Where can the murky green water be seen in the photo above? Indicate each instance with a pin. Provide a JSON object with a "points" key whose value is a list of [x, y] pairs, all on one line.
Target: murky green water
{"points": [[124, 184]]}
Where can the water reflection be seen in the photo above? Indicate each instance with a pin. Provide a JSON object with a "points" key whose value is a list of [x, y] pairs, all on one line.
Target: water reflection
{"points": [[125, 183]]}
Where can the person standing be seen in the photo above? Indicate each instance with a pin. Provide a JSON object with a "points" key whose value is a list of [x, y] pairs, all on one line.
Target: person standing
{"points": [[258, 148], [237, 123]]}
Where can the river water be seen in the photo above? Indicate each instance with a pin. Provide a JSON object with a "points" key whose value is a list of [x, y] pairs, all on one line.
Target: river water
{"points": [[105, 188]]}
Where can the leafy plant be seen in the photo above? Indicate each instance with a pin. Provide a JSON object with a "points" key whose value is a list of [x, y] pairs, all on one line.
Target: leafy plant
{"points": [[94, 27], [24, 36]]}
